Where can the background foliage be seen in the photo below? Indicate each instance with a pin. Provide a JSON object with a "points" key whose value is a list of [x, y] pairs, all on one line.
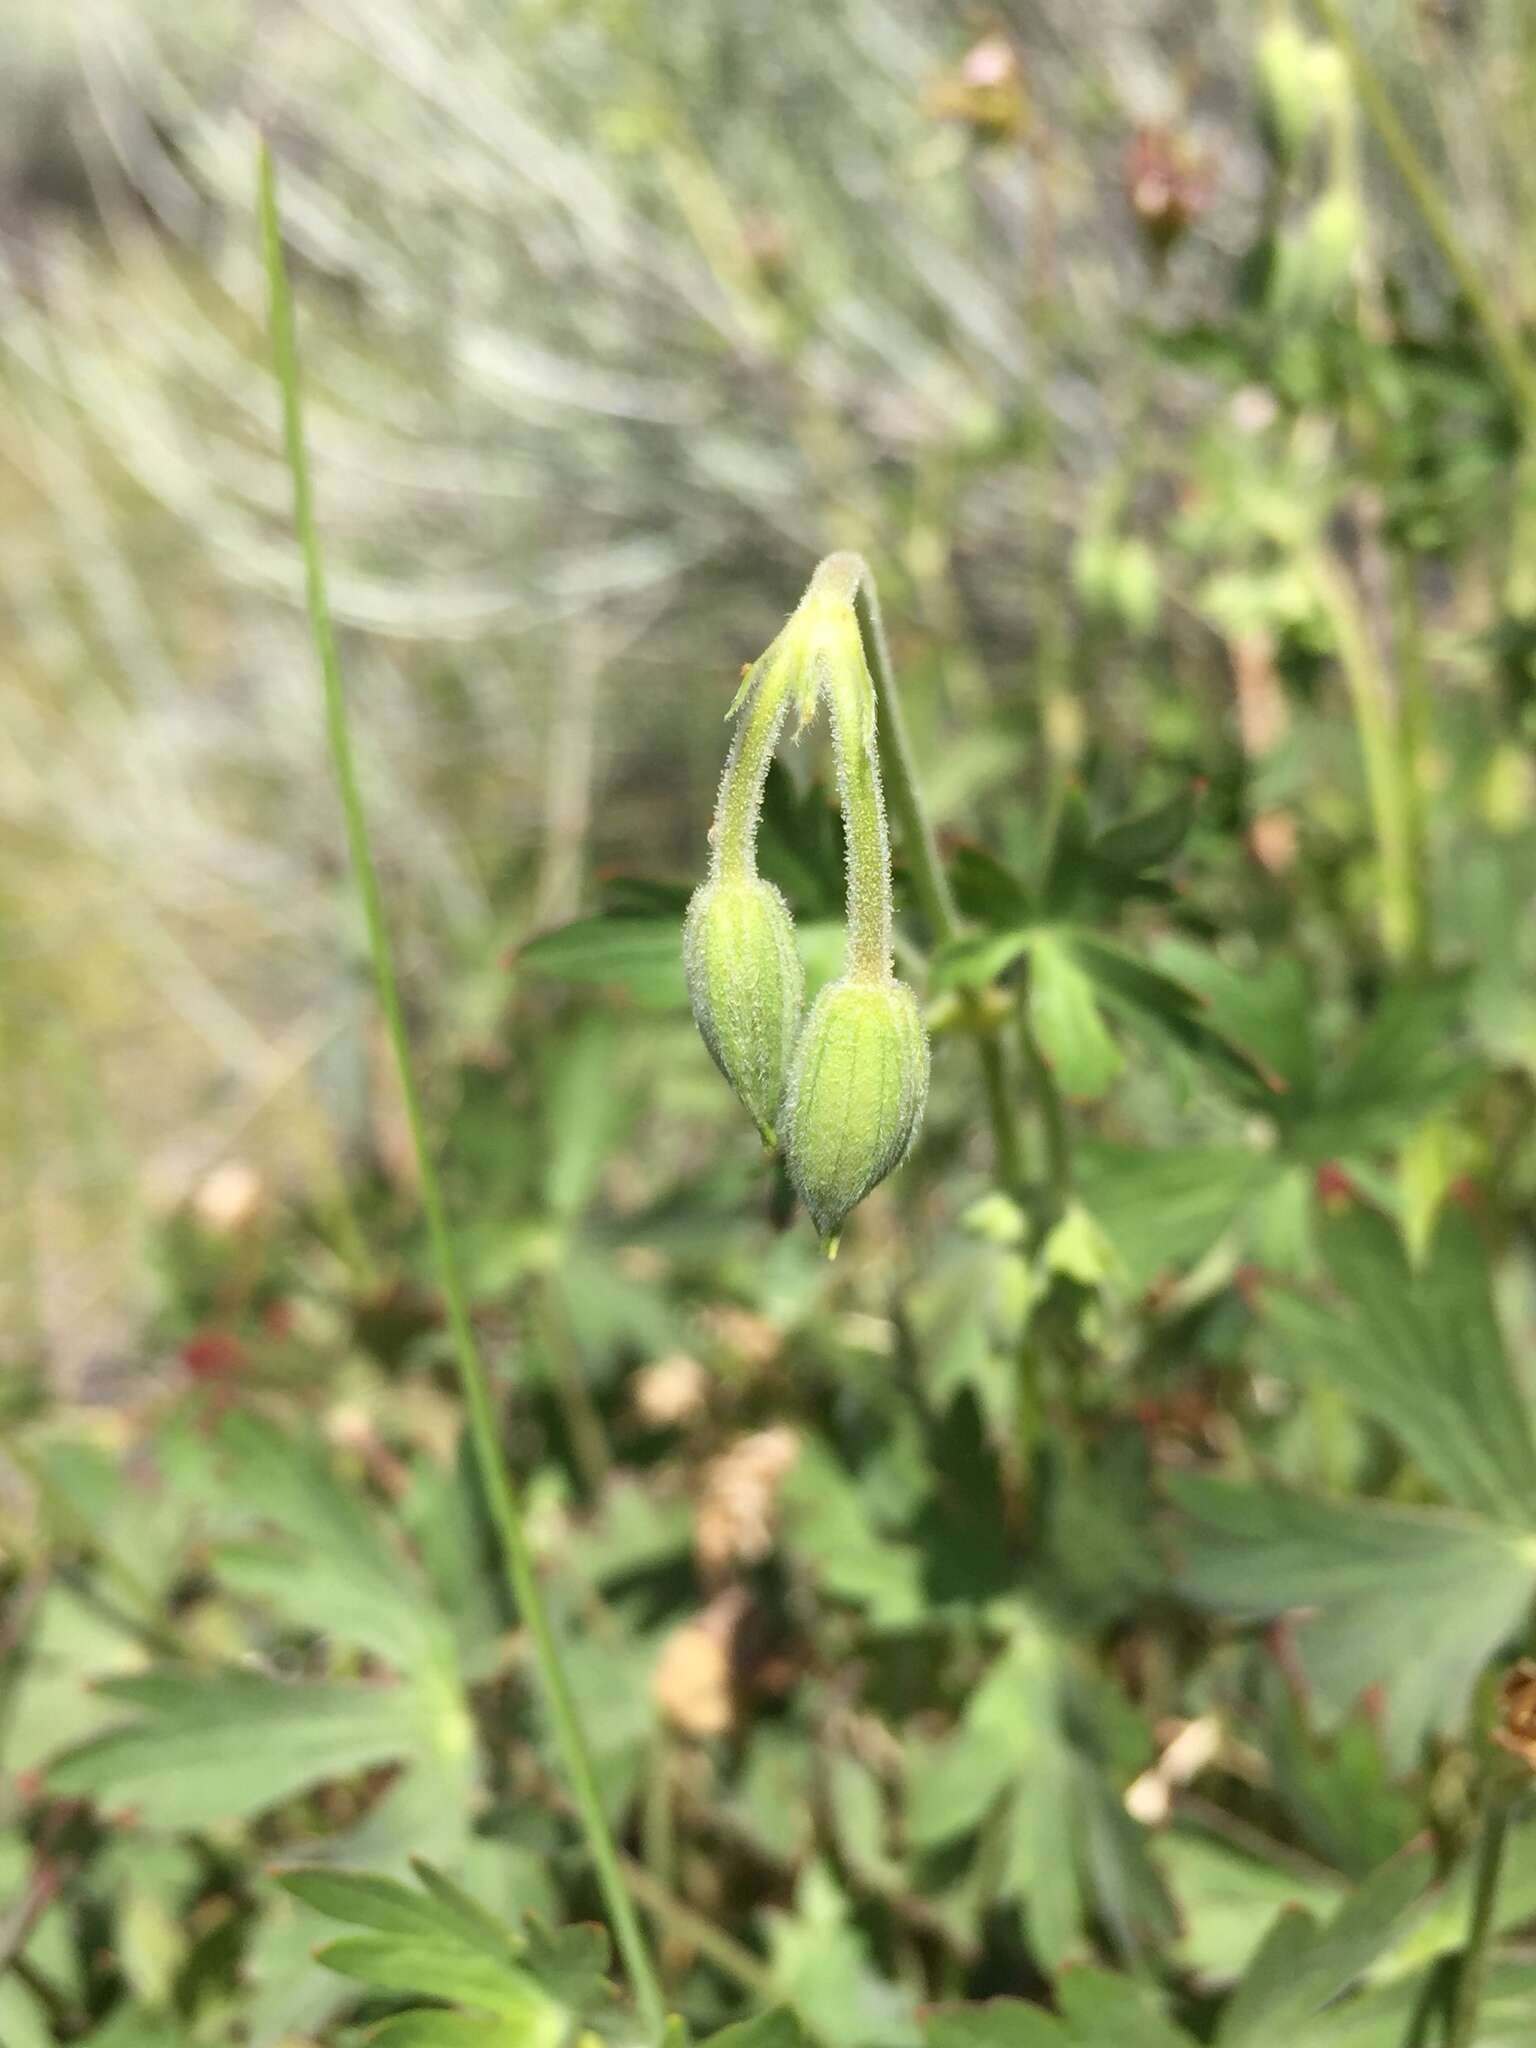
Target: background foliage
{"points": [[1077, 1615]]}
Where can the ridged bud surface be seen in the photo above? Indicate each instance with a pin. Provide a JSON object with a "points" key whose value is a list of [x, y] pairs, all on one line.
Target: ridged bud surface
{"points": [[855, 1097], [747, 987]]}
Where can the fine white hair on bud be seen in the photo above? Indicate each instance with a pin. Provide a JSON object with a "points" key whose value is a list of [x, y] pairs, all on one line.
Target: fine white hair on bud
{"points": [[747, 986], [845, 1094], [856, 1094]]}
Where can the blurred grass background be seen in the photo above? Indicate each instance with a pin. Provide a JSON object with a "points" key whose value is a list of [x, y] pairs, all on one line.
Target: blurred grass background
{"points": [[617, 316]]}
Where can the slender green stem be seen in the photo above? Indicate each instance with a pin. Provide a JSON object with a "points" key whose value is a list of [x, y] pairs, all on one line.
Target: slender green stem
{"points": [[870, 915], [1472, 1970], [733, 853], [521, 1572], [1384, 759], [1503, 339], [995, 1078], [928, 876], [1053, 1116]]}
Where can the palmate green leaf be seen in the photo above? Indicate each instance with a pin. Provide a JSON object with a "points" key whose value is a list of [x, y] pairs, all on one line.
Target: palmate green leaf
{"points": [[1148, 996], [1077, 972], [1390, 2018], [425, 1968], [1301, 1967], [1228, 1900], [1422, 1352], [570, 1963], [1090, 872], [1338, 1791], [211, 1746], [1065, 1014], [131, 2025], [1150, 838], [1099, 2009], [432, 2027], [1163, 1210], [986, 892], [584, 1113], [1414, 1600], [439, 1910], [1001, 2023], [436, 1941], [1069, 1843], [831, 1531], [819, 1961], [1268, 1008], [776, 2029], [323, 1560], [978, 958], [1402, 1068]]}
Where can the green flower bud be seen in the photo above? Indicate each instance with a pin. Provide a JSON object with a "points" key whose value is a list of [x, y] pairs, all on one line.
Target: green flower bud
{"points": [[855, 1097], [747, 987], [858, 1076]]}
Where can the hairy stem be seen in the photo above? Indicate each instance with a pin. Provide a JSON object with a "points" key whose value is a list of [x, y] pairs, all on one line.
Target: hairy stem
{"points": [[869, 848], [733, 852], [928, 877], [522, 1576]]}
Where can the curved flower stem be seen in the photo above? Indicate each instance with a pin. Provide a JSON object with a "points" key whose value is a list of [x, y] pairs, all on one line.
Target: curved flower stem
{"points": [[522, 1576], [928, 877], [733, 853], [1516, 366]]}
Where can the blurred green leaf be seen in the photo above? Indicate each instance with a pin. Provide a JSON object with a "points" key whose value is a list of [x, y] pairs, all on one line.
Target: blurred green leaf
{"points": [[1066, 1019], [1421, 1350], [642, 957], [1001, 2023], [211, 1746], [1302, 1967], [1414, 1600], [776, 2029]]}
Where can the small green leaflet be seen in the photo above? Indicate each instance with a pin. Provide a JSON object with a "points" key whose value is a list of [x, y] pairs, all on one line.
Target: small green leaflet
{"points": [[209, 1746], [438, 1942]]}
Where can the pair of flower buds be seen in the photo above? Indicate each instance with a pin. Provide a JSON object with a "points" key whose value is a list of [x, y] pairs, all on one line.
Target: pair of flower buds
{"points": [[841, 1089]]}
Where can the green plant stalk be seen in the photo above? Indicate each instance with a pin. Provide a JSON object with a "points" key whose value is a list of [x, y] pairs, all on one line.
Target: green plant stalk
{"points": [[928, 877], [1388, 785], [521, 1573], [1055, 1136], [1516, 367], [733, 854], [869, 851], [1472, 1970]]}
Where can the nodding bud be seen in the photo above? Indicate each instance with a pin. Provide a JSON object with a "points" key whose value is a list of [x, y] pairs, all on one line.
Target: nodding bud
{"points": [[855, 1097], [846, 1099], [747, 986]]}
